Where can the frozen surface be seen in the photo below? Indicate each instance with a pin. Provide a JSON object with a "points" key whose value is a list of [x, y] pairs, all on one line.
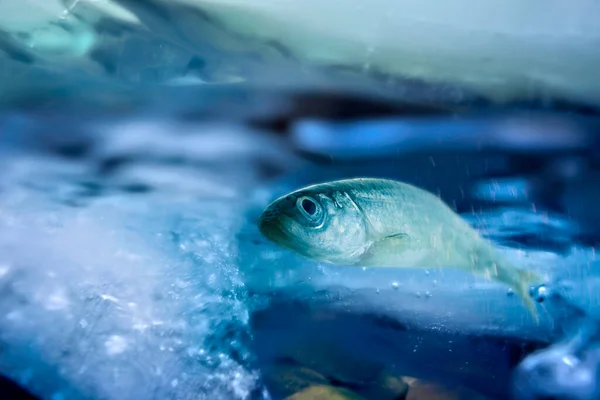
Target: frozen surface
{"points": [[413, 50], [110, 293]]}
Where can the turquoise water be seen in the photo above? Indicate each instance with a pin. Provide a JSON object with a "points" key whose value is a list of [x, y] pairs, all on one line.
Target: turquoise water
{"points": [[138, 149]]}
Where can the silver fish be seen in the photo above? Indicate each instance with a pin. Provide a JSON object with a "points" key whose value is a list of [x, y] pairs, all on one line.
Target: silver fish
{"points": [[384, 223]]}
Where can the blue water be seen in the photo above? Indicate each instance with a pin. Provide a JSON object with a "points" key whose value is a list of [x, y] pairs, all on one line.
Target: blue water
{"points": [[131, 266], [134, 268]]}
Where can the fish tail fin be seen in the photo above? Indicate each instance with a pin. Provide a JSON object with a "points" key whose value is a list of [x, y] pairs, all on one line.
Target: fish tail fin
{"points": [[520, 280], [526, 279]]}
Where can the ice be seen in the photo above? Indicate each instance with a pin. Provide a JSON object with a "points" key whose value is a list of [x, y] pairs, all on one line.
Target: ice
{"points": [[437, 43], [570, 367], [112, 314], [417, 50], [120, 295]]}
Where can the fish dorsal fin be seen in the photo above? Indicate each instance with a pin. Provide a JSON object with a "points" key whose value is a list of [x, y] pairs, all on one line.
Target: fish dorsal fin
{"points": [[385, 251]]}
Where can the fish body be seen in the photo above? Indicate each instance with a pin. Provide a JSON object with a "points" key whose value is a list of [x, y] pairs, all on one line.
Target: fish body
{"points": [[372, 222]]}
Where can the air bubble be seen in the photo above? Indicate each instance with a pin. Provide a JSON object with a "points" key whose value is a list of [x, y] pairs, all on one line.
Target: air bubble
{"points": [[540, 293], [395, 285], [426, 272], [418, 294], [510, 292], [427, 294], [435, 282]]}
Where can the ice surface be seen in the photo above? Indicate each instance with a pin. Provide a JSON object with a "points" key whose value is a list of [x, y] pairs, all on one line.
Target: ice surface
{"points": [[121, 295], [569, 368], [525, 51], [119, 314]]}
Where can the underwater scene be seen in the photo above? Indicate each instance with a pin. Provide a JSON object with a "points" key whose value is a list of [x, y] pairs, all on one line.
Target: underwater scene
{"points": [[299, 200]]}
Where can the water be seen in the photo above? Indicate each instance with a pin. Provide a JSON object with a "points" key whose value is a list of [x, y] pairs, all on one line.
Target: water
{"points": [[134, 268], [141, 141]]}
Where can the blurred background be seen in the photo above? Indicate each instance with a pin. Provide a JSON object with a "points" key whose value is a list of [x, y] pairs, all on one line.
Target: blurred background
{"points": [[140, 141]]}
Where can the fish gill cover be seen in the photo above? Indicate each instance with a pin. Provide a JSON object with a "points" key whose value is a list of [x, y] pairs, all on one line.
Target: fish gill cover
{"points": [[141, 140]]}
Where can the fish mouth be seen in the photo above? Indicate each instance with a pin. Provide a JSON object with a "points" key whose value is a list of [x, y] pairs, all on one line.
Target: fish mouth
{"points": [[270, 227]]}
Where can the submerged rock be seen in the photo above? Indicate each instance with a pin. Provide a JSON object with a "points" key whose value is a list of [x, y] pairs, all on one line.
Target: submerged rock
{"points": [[424, 390], [334, 363], [324, 392], [387, 387], [286, 380]]}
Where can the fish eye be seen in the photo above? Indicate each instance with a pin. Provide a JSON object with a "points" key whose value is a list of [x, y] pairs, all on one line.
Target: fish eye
{"points": [[308, 207]]}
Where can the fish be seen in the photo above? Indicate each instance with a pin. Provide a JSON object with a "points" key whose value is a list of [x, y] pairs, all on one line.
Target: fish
{"points": [[372, 222]]}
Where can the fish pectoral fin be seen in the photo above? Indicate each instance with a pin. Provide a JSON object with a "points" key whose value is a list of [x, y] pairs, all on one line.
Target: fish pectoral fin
{"points": [[396, 236], [385, 250], [391, 244]]}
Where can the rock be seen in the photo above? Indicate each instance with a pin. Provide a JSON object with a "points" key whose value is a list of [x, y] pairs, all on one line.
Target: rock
{"points": [[285, 380], [325, 392], [387, 387], [423, 390], [335, 363]]}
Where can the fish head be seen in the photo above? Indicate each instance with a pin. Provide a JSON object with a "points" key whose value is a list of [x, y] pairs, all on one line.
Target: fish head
{"points": [[319, 223]]}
